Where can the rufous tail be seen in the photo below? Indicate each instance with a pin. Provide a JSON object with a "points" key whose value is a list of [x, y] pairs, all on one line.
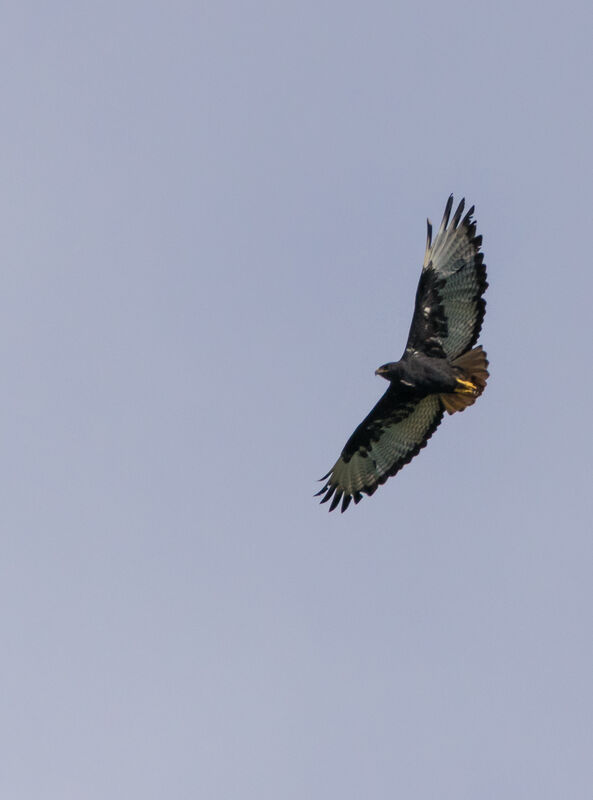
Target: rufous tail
{"points": [[472, 369]]}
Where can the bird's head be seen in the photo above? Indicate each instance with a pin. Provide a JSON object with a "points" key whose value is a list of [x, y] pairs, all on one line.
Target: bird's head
{"points": [[389, 371]]}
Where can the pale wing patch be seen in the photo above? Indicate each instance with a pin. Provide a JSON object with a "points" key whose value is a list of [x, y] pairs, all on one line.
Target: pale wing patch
{"points": [[397, 444], [456, 260], [404, 437], [463, 307]]}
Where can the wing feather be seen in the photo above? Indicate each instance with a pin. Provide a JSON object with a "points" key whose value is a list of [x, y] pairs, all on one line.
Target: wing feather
{"points": [[449, 307], [381, 445]]}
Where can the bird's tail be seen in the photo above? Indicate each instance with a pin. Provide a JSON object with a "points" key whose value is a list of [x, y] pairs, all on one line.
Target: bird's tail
{"points": [[473, 375]]}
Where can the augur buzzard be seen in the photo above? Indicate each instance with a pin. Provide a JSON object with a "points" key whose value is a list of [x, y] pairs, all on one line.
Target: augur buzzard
{"points": [[439, 371]]}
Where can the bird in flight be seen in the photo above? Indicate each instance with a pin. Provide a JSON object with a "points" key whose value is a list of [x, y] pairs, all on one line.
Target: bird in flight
{"points": [[440, 370]]}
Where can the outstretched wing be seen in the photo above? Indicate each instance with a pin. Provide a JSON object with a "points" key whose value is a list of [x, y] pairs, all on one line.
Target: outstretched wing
{"points": [[389, 438], [449, 305]]}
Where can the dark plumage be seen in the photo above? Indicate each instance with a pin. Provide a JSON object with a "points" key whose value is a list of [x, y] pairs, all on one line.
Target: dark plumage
{"points": [[439, 371]]}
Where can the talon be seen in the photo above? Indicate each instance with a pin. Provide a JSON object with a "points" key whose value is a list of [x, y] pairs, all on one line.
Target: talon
{"points": [[466, 387]]}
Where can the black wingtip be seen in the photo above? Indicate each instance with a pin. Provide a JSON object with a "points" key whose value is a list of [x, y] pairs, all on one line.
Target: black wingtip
{"points": [[467, 220], [447, 213], [458, 213], [328, 493], [346, 502], [336, 500]]}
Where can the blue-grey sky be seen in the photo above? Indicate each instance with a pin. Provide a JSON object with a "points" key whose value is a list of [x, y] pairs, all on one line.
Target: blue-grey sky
{"points": [[213, 221]]}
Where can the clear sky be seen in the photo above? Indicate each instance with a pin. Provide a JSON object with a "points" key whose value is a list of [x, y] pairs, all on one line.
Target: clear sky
{"points": [[213, 222]]}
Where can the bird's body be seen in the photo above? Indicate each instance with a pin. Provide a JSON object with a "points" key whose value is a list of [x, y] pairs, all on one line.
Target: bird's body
{"points": [[420, 375], [439, 371]]}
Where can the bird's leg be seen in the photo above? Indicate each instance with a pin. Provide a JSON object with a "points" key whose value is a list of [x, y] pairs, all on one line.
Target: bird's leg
{"points": [[465, 387]]}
